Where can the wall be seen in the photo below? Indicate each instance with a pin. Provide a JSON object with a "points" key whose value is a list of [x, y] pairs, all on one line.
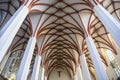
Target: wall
{"points": [[63, 75]]}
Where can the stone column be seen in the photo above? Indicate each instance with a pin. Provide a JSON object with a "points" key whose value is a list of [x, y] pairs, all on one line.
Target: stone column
{"points": [[75, 77], [42, 74], [35, 73], [85, 70], [26, 60], [45, 77], [10, 29], [110, 23], [79, 73], [97, 62]]}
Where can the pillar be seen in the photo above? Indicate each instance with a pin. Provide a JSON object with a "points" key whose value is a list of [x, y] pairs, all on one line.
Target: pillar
{"points": [[79, 73], [45, 77], [110, 23], [10, 29], [75, 77], [42, 74], [97, 62], [26, 60], [86, 74], [35, 73]]}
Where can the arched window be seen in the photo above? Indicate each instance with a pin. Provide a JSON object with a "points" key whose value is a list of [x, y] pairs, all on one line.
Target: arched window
{"points": [[113, 62], [2, 16]]}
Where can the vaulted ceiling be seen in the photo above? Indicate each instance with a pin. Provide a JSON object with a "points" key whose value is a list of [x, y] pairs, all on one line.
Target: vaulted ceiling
{"points": [[61, 32]]}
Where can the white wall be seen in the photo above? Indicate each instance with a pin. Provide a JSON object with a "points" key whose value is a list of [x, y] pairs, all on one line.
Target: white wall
{"points": [[63, 75]]}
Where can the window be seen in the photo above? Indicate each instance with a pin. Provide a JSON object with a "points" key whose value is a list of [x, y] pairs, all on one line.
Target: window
{"points": [[113, 63], [2, 16]]}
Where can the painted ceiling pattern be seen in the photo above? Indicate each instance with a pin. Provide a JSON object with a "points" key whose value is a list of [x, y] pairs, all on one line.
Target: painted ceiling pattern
{"points": [[61, 32]]}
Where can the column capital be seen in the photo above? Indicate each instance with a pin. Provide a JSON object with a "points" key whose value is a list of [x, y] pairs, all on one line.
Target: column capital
{"points": [[30, 3], [33, 37]]}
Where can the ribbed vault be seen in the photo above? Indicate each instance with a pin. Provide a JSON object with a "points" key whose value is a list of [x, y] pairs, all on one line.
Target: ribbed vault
{"points": [[61, 23]]}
